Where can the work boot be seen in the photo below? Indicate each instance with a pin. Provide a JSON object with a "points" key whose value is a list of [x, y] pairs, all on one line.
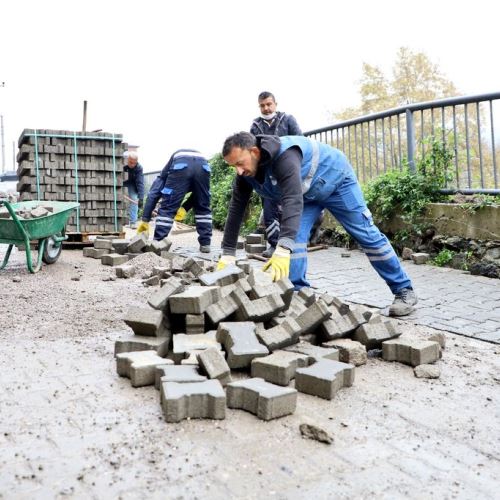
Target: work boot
{"points": [[269, 252], [404, 300], [205, 248]]}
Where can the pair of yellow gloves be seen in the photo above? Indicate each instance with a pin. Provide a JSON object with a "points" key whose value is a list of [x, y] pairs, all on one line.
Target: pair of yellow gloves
{"points": [[179, 217], [278, 265]]}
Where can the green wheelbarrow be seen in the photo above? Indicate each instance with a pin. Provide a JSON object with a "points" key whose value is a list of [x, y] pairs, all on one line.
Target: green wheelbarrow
{"points": [[48, 230]]}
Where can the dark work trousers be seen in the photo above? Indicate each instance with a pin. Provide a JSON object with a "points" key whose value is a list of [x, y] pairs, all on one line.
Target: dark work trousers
{"points": [[272, 219], [188, 174]]}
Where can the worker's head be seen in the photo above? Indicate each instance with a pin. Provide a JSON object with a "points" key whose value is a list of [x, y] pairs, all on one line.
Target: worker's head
{"points": [[241, 152], [267, 105], [132, 159]]}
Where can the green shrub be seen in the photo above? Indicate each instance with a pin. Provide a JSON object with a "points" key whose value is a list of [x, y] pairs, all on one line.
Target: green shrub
{"points": [[443, 257]]}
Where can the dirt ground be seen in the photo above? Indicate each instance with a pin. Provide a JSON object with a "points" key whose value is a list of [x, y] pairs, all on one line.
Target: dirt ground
{"points": [[71, 428]]}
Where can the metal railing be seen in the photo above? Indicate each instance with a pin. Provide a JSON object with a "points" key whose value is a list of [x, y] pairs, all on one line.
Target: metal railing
{"points": [[392, 139]]}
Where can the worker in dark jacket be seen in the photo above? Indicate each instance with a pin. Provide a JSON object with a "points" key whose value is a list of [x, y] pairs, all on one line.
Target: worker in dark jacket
{"points": [[135, 186], [306, 176], [186, 171]]}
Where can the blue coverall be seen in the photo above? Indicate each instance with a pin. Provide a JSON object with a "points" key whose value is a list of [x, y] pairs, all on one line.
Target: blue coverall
{"points": [[328, 181], [186, 171]]}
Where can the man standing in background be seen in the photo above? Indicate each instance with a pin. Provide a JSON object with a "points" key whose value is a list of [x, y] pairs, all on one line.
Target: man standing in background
{"points": [[135, 186]]}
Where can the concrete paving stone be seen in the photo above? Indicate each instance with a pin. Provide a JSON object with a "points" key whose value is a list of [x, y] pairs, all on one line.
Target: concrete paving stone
{"points": [[313, 316], [193, 400], [324, 378], [412, 352], [159, 246], [279, 367], [137, 243], [163, 272], [284, 334], [113, 259], [257, 310], [229, 275], [125, 271], [427, 371], [240, 342], [213, 363], [244, 264], [159, 298], [222, 309], [128, 342], [183, 344], [257, 277], [120, 245], [181, 374], [313, 351], [254, 248], [376, 331], [307, 296], [94, 253], [192, 358], [266, 401], [152, 281], [194, 299], [194, 266], [337, 326], [175, 260], [350, 351], [146, 321], [296, 307], [255, 238], [107, 244], [195, 323], [139, 366]]}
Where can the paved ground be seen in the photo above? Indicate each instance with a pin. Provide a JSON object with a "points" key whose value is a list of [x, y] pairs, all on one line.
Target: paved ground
{"points": [[71, 428]]}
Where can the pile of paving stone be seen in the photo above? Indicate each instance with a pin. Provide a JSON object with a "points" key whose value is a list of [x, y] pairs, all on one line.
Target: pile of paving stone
{"points": [[53, 168], [201, 328], [26, 213]]}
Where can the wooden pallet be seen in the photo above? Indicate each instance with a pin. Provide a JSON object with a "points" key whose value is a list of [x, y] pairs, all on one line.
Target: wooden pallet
{"points": [[82, 239]]}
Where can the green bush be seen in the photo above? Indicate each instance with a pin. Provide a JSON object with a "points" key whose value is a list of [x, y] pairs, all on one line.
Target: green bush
{"points": [[443, 257]]}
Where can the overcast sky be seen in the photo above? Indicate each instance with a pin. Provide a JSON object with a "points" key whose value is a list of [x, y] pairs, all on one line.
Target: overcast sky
{"points": [[186, 73]]}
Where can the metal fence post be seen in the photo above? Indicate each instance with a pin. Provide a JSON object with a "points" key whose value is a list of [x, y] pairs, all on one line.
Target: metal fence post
{"points": [[410, 139]]}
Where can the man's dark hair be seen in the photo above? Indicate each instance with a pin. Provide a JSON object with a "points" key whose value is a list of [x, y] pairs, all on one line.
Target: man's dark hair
{"points": [[243, 140], [265, 95]]}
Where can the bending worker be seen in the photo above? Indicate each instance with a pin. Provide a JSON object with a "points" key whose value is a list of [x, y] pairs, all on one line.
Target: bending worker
{"points": [[187, 171], [306, 176]]}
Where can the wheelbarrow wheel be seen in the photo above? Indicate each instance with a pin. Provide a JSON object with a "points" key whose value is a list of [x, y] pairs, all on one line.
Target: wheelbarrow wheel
{"points": [[52, 250]]}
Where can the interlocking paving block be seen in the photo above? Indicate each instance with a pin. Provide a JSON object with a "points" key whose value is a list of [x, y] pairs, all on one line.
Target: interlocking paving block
{"points": [[137, 243], [261, 398], [120, 245], [324, 378], [113, 259], [181, 374], [279, 368], [108, 244], [192, 358], [139, 366], [376, 331], [412, 352], [130, 343], [175, 261], [194, 300], [227, 276], [146, 321], [337, 326], [213, 363], [194, 266], [254, 248], [193, 400], [257, 277], [195, 323], [255, 238], [94, 253], [125, 271], [240, 343], [315, 352], [313, 316], [159, 298], [296, 306], [282, 335], [257, 310], [184, 344], [221, 309], [351, 351], [307, 296]]}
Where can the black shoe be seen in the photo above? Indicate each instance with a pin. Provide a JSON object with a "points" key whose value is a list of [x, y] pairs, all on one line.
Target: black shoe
{"points": [[205, 248], [404, 300], [269, 252]]}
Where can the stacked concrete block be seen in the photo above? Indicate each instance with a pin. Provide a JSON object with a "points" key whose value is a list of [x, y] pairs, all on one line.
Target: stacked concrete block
{"points": [[412, 352], [315, 314], [350, 351], [222, 309], [193, 400], [130, 343], [182, 374], [240, 343], [267, 401], [280, 367], [324, 378], [139, 366], [195, 323], [213, 363], [255, 243], [257, 310], [93, 177]]}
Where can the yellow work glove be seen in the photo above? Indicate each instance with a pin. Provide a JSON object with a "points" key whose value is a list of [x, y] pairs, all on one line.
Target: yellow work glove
{"points": [[224, 261], [279, 264], [180, 215], [143, 227]]}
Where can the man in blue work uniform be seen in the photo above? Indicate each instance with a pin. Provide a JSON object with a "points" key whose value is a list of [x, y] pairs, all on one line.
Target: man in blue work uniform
{"points": [[272, 122], [306, 176], [135, 186], [186, 171]]}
